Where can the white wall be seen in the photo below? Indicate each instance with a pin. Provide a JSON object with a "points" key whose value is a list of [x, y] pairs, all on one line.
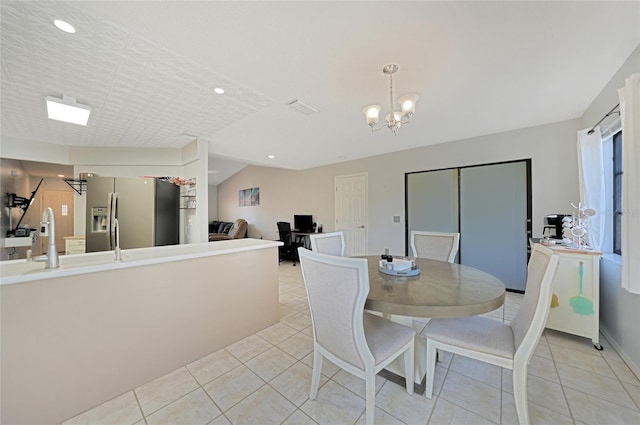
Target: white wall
{"points": [[213, 202], [619, 310], [194, 223], [284, 193], [11, 147]]}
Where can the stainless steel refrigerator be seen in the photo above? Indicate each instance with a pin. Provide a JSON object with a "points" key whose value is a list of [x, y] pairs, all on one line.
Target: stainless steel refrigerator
{"points": [[147, 212]]}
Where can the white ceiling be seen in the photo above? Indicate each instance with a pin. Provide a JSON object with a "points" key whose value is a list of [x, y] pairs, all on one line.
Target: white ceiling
{"points": [[147, 69]]}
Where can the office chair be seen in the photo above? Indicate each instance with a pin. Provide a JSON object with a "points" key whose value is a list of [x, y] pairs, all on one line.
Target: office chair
{"points": [[288, 251]]}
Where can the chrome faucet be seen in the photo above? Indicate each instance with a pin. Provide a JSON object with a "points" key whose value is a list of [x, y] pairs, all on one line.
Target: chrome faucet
{"points": [[48, 227]]}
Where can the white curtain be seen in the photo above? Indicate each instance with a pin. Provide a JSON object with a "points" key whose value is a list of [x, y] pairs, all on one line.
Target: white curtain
{"points": [[592, 187], [630, 241]]}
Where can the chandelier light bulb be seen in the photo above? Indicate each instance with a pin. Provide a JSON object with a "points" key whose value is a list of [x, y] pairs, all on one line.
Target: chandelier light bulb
{"points": [[408, 103], [372, 113], [397, 117]]}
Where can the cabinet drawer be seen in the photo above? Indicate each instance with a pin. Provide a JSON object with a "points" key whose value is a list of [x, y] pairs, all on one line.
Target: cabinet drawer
{"points": [[74, 246]]}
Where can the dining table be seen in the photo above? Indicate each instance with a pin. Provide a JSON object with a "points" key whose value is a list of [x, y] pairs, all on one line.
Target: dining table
{"points": [[440, 290]]}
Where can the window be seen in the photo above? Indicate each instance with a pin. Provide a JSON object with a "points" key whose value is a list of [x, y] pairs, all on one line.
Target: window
{"points": [[617, 192]]}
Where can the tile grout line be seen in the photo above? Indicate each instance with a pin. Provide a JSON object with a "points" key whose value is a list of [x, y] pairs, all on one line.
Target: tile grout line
{"points": [[205, 391], [144, 418]]}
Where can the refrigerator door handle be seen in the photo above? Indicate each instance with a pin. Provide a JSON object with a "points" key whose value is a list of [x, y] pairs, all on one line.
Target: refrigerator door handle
{"points": [[109, 202], [112, 214]]}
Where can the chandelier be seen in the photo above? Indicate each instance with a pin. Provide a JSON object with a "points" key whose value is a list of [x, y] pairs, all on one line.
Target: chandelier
{"points": [[394, 118]]}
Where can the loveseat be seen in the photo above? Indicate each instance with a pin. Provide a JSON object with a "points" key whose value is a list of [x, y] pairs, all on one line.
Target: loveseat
{"points": [[224, 230]]}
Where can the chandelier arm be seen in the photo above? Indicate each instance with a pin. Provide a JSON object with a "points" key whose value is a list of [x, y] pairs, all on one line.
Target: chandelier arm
{"points": [[392, 115], [379, 128]]}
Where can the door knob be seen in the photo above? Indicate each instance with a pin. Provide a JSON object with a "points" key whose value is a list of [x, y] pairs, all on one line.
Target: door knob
{"points": [[361, 227]]}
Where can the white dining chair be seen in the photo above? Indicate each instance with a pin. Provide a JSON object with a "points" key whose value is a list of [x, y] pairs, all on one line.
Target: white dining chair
{"points": [[435, 245], [506, 345], [358, 342], [328, 243]]}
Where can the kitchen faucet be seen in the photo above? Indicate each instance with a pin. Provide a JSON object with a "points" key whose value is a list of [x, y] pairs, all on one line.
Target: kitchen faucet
{"points": [[48, 227]]}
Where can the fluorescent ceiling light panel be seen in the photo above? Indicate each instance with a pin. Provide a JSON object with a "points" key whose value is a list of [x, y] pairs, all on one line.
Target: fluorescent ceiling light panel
{"points": [[67, 110]]}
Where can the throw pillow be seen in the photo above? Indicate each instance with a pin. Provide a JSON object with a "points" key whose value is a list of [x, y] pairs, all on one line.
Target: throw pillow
{"points": [[225, 227]]}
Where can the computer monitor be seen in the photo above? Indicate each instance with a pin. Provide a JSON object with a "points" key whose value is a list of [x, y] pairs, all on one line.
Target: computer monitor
{"points": [[303, 223]]}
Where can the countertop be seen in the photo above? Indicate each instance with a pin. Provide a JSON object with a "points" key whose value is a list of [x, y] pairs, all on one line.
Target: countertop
{"points": [[19, 271]]}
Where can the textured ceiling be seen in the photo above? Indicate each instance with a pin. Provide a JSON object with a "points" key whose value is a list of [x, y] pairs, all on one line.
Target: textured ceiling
{"points": [[147, 69], [143, 95]]}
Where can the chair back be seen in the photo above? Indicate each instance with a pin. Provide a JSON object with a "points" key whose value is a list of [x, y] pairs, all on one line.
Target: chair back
{"points": [[328, 243], [239, 229], [284, 232], [435, 245], [530, 320], [337, 288]]}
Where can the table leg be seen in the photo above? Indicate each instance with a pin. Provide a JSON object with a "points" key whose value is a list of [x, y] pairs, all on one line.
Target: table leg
{"points": [[396, 367]]}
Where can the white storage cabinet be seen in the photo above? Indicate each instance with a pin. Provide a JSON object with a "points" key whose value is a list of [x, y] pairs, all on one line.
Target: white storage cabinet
{"points": [[74, 245], [575, 304]]}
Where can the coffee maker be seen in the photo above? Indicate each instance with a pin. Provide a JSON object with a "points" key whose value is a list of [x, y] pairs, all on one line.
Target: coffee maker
{"points": [[553, 226]]}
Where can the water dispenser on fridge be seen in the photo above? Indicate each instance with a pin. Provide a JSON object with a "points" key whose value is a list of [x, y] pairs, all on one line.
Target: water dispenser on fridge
{"points": [[99, 219]]}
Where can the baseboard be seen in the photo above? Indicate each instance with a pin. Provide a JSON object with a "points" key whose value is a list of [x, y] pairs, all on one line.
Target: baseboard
{"points": [[634, 367]]}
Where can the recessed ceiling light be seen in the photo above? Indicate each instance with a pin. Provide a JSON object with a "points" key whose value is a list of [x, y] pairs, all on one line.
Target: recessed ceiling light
{"points": [[271, 156], [218, 90], [60, 175], [64, 26], [67, 110]]}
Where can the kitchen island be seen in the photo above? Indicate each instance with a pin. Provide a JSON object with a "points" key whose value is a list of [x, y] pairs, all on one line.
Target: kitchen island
{"points": [[95, 328]]}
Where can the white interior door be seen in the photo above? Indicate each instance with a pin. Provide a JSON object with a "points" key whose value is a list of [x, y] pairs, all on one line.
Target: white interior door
{"points": [[351, 212]]}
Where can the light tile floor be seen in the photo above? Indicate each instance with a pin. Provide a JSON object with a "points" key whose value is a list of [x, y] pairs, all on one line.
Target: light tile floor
{"points": [[264, 379]]}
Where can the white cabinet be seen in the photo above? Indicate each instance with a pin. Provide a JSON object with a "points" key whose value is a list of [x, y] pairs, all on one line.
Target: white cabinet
{"points": [[74, 245], [575, 304]]}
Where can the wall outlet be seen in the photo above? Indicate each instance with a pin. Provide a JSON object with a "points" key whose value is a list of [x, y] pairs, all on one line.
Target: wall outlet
{"points": [[396, 219]]}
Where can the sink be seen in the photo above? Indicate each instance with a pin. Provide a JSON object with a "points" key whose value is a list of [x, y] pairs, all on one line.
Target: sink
{"points": [[21, 267]]}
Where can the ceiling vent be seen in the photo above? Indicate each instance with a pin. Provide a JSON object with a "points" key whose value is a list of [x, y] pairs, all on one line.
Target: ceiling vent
{"points": [[302, 107]]}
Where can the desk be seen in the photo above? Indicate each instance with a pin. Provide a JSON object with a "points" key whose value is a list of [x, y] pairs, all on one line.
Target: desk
{"points": [[440, 290], [303, 238]]}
